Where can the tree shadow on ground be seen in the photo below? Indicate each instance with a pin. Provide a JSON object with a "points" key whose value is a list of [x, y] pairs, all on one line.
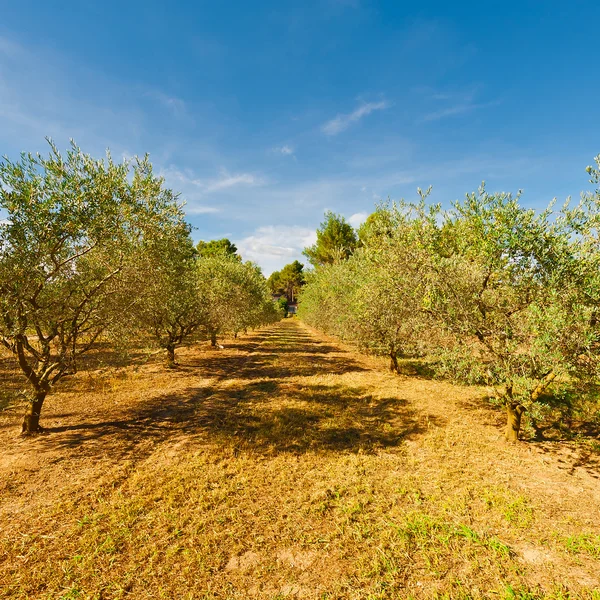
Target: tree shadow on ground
{"points": [[268, 416], [573, 445], [305, 349], [252, 403], [263, 363]]}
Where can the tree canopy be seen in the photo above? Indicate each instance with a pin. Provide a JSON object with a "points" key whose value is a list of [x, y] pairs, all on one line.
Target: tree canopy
{"points": [[217, 247], [336, 240], [288, 281], [93, 247]]}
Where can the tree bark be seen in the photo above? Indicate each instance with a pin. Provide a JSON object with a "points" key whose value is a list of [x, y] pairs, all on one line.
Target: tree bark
{"points": [[31, 421], [542, 385], [514, 411], [213, 338], [394, 362], [171, 356]]}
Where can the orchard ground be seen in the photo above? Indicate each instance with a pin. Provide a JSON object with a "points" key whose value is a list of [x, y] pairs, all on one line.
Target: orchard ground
{"points": [[286, 466]]}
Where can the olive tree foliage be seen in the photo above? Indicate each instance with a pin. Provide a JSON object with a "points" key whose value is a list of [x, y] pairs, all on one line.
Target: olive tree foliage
{"points": [[376, 298], [325, 299], [171, 310], [217, 247], [283, 305], [388, 307], [74, 232], [233, 296], [498, 294], [517, 291]]}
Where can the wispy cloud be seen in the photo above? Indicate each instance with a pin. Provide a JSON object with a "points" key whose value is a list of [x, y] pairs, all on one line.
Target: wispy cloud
{"points": [[197, 209], [342, 121], [285, 150], [457, 109], [176, 106], [453, 102], [226, 181], [196, 190]]}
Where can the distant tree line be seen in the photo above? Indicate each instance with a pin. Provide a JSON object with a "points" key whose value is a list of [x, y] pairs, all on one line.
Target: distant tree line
{"points": [[492, 292], [94, 249]]}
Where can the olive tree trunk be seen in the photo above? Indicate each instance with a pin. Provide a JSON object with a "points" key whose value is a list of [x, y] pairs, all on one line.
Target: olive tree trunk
{"points": [[170, 348], [213, 338], [514, 411], [31, 420]]}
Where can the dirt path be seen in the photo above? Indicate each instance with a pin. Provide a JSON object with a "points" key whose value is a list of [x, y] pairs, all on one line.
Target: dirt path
{"points": [[287, 465]]}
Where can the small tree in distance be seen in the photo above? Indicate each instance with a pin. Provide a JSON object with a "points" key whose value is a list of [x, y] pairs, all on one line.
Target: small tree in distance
{"points": [[217, 248], [283, 305], [288, 281], [336, 240]]}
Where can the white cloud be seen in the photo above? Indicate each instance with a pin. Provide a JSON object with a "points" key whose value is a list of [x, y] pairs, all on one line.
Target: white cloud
{"points": [[274, 246], [342, 122], [457, 109], [198, 209], [285, 150], [457, 102], [225, 181], [195, 190], [357, 219], [173, 104], [187, 181]]}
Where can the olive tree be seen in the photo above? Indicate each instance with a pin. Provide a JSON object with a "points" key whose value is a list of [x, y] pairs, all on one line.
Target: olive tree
{"points": [[517, 291], [389, 297], [74, 230], [233, 296], [170, 309], [498, 293], [377, 297]]}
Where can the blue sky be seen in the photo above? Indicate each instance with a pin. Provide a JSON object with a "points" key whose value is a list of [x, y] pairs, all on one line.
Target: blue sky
{"points": [[265, 114]]}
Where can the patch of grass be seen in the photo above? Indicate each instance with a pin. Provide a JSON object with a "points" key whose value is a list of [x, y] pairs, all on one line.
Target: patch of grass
{"points": [[516, 509], [582, 543]]}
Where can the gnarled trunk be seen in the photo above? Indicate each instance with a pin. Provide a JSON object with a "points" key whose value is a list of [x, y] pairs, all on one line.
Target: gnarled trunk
{"points": [[31, 420], [514, 411], [213, 338], [171, 356], [394, 361]]}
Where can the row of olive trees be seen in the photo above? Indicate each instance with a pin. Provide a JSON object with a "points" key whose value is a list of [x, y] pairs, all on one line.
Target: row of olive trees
{"points": [[189, 294], [496, 293], [89, 247]]}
